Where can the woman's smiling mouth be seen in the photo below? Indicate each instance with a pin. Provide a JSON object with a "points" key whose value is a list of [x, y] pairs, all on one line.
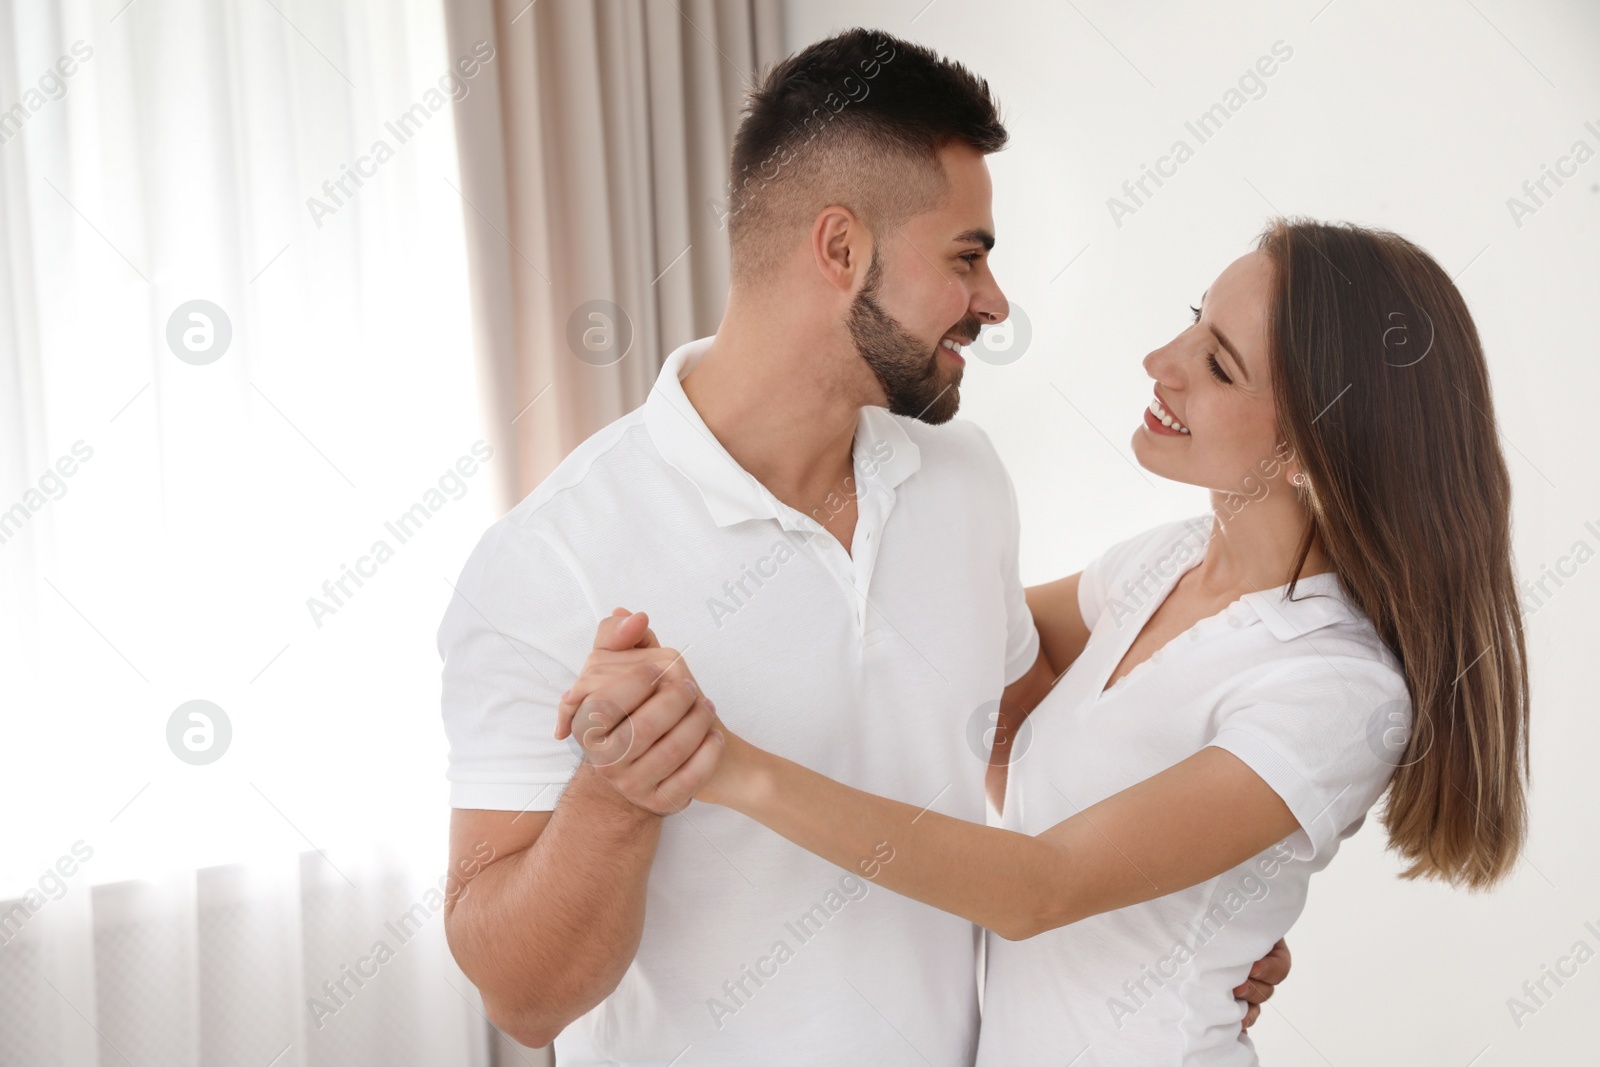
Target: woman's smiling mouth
{"points": [[1159, 420]]}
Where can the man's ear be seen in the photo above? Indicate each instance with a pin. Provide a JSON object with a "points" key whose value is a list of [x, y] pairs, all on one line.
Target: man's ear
{"points": [[841, 247]]}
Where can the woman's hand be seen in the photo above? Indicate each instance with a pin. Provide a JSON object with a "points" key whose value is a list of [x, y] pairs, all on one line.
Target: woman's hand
{"points": [[643, 726], [626, 669]]}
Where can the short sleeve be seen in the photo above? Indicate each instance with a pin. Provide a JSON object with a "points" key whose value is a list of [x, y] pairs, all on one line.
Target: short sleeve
{"points": [[513, 639], [1319, 730], [1135, 564]]}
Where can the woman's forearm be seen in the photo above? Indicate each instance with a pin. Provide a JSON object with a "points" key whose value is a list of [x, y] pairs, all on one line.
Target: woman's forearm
{"points": [[1193, 821], [1008, 882]]}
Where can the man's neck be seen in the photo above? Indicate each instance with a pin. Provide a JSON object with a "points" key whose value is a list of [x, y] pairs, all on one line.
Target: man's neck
{"points": [[761, 393]]}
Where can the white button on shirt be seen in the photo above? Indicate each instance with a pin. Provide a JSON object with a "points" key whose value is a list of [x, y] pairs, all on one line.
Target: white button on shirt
{"points": [[1302, 691], [869, 666]]}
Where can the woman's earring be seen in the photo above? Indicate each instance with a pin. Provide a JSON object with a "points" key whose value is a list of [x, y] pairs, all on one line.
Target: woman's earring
{"points": [[1299, 479]]}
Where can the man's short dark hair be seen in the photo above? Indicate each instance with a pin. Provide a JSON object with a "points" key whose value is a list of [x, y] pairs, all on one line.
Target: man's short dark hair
{"points": [[858, 120]]}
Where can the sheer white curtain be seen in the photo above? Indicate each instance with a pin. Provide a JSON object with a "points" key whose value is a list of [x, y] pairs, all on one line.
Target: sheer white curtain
{"points": [[240, 462]]}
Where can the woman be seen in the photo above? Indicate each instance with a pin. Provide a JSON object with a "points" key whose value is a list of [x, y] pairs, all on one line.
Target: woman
{"points": [[1243, 688]]}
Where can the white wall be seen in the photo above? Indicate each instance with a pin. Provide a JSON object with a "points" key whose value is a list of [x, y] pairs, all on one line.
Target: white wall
{"points": [[1423, 119]]}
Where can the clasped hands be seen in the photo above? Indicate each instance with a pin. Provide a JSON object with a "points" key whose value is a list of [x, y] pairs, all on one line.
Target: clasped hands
{"points": [[641, 719]]}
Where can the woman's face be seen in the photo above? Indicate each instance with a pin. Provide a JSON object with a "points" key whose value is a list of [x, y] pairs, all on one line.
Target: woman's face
{"points": [[1214, 386]]}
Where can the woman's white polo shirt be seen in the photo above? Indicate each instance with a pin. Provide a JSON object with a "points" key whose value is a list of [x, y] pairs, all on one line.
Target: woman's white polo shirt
{"points": [[1302, 691]]}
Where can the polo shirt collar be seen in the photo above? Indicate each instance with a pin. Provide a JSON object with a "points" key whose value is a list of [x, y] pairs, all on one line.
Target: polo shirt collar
{"points": [[1318, 601], [731, 493]]}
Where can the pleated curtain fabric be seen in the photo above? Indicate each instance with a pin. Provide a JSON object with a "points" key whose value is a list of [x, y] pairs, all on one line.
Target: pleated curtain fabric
{"points": [[594, 169], [155, 156]]}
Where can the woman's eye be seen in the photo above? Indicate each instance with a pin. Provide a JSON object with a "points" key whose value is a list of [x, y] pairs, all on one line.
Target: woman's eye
{"points": [[1196, 312], [1216, 370]]}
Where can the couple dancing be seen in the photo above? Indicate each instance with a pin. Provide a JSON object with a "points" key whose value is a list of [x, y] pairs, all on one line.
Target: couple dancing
{"points": [[880, 804]]}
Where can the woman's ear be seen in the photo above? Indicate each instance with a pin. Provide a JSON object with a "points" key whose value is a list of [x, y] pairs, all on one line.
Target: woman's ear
{"points": [[1289, 465]]}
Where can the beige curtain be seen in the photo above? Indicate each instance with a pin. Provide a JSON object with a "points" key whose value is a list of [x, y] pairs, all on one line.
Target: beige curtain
{"points": [[594, 151]]}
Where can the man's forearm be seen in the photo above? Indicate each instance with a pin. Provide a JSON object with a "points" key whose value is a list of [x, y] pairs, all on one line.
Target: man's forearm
{"points": [[547, 933]]}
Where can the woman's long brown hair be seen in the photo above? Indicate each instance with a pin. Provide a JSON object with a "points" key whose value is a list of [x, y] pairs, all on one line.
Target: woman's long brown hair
{"points": [[1383, 394]]}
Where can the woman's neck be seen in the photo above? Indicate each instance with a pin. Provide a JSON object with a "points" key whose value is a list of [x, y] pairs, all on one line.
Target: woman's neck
{"points": [[1255, 543]]}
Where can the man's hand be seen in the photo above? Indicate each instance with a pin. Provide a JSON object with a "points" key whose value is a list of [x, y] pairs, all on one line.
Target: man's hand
{"points": [[1265, 974], [640, 718]]}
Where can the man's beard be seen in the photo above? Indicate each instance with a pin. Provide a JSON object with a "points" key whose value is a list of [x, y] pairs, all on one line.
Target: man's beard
{"points": [[905, 369]]}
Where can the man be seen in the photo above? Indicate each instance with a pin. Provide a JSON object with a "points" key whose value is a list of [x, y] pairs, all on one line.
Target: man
{"points": [[846, 577]]}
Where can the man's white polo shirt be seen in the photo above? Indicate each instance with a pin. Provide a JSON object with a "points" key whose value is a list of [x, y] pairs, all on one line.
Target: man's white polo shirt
{"points": [[879, 667]]}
